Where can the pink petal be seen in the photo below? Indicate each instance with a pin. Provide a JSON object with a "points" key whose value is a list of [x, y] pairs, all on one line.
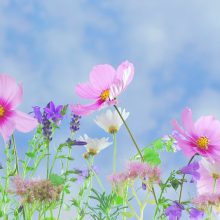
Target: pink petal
{"points": [[177, 127], [7, 129], [85, 109], [86, 90], [125, 73], [102, 76], [187, 120], [10, 91], [24, 122]]}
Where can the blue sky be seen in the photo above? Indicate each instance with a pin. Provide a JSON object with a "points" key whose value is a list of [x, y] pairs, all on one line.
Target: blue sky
{"points": [[51, 45]]}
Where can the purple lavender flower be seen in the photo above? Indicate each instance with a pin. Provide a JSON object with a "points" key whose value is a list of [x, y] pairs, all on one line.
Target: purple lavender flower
{"points": [[75, 142], [53, 113], [37, 113], [75, 123], [174, 211], [191, 169], [196, 214], [47, 127]]}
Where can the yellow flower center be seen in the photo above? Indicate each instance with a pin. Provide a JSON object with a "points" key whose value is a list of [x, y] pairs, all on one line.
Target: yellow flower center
{"points": [[202, 143], [112, 129], [215, 176], [105, 95], [2, 111]]}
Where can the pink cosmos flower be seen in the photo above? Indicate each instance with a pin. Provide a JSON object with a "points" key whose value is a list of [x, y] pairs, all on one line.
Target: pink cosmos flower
{"points": [[209, 177], [201, 137], [105, 84], [10, 119]]}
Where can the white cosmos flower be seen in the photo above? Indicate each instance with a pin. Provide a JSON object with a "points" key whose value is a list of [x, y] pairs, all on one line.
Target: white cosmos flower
{"points": [[110, 121], [94, 145]]}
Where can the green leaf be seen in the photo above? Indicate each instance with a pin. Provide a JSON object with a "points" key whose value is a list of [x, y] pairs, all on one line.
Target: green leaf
{"points": [[151, 156], [118, 200], [158, 144], [175, 183], [56, 179], [30, 154], [127, 214]]}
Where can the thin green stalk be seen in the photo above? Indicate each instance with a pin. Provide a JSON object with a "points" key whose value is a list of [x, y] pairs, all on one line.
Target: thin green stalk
{"points": [[48, 159], [16, 155], [182, 180], [129, 131], [114, 153], [62, 197], [135, 144]]}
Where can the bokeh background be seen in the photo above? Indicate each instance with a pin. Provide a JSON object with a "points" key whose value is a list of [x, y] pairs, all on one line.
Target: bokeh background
{"points": [[51, 45]]}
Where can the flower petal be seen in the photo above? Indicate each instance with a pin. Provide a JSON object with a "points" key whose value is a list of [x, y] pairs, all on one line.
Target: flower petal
{"points": [[187, 120], [7, 129], [24, 122], [10, 91], [86, 90], [102, 76], [79, 109]]}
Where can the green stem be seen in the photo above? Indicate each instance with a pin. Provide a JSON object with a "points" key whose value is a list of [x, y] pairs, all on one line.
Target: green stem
{"points": [[135, 144], [48, 159], [129, 131], [16, 155], [182, 180], [62, 197], [114, 153]]}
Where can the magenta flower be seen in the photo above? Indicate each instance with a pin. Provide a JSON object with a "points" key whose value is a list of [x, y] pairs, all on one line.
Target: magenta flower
{"points": [[10, 119], [201, 137], [105, 84]]}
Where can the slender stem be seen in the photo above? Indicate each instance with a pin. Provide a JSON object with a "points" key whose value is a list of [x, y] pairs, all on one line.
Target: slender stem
{"points": [[48, 159], [16, 155], [129, 131], [114, 153], [135, 144], [17, 165], [182, 180], [62, 197], [161, 194]]}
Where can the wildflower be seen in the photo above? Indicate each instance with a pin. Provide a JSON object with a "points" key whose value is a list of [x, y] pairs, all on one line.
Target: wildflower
{"points": [[47, 127], [85, 173], [94, 146], [104, 86], [191, 169], [75, 123], [201, 137], [71, 142], [10, 119], [33, 190], [196, 214], [170, 141], [144, 171], [118, 178], [209, 177], [174, 211], [203, 201], [110, 121], [37, 114], [53, 113]]}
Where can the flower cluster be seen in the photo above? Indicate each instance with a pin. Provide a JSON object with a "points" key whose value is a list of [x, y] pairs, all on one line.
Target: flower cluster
{"points": [[35, 190], [135, 170]]}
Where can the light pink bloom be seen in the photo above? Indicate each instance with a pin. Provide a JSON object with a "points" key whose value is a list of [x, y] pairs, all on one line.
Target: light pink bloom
{"points": [[202, 136], [10, 119], [144, 171], [105, 84], [205, 200], [118, 178], [209, 174]]}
